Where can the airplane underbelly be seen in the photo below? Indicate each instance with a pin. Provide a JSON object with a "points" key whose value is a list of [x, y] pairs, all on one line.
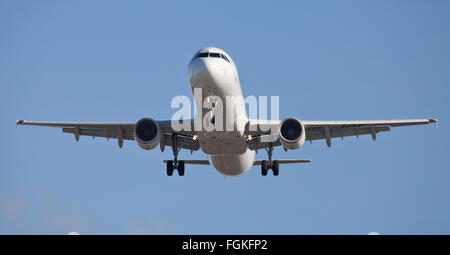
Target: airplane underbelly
{"points": [[233, 165], [222, 142]]}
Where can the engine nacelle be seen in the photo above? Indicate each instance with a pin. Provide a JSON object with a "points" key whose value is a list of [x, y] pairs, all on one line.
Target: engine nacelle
{"points": [[146, 133], [291, 133]]}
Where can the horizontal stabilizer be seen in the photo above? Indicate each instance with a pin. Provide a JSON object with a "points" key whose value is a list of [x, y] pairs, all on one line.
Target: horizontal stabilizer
{"points": [[256, 163], [284, 161], [194, 162]]}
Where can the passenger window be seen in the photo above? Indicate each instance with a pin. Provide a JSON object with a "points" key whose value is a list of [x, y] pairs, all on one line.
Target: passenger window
{"points": [[225, 57]]}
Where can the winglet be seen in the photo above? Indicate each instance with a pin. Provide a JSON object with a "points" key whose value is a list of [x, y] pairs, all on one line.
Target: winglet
{"points": [[431, 120]]}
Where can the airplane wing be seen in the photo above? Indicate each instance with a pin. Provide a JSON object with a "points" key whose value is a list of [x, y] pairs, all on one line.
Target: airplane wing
{"points": [[316, 130], [119, 130]]}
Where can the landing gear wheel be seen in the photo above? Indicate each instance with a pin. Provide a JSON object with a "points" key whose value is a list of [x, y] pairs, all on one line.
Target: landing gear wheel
{"points": [[264, 167], [275, 168], [169, 168], [181, 168]]}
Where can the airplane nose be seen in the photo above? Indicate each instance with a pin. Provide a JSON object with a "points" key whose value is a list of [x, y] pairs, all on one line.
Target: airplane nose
{"points": [[201, 72]]}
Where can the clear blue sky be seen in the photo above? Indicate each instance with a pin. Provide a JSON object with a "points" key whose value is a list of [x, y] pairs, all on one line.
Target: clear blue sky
{"points": [[123, 60]]}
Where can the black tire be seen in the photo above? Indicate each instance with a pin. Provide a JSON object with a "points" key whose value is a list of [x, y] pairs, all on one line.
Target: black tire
{"points": [[275, 168], [264, 167], [169, 168], [181, 168]]}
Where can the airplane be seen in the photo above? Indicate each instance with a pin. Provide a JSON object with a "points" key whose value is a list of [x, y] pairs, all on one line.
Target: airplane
{"points": [[231, 153]]}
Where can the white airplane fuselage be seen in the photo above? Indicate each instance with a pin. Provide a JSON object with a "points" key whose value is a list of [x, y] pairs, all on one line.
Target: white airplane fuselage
{"points": [[227, 151]]}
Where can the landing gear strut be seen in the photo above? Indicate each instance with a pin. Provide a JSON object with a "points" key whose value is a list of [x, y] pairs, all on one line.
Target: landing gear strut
{"points": [[175, 163], [270, 164]]}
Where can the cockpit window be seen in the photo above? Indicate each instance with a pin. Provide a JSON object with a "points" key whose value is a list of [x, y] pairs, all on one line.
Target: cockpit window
{"points": [[202, 55], [225, 57], [211, 55]]}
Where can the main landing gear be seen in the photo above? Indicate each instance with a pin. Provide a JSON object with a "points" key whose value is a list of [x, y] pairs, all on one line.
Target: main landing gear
{"points": [[270, 164], [175, 163]]}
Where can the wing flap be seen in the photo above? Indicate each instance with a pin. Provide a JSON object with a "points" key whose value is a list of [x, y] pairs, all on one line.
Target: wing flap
{"points": [[257, 143], [316, 134], [98, 132], [185, 142]]}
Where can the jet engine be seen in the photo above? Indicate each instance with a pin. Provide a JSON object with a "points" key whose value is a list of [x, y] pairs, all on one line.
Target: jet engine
{"points": [[292, 133], [146, 133]]}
